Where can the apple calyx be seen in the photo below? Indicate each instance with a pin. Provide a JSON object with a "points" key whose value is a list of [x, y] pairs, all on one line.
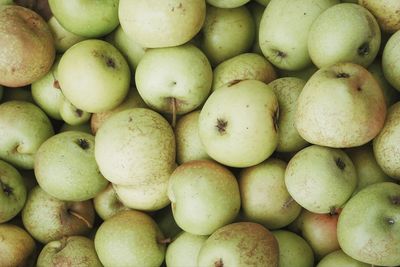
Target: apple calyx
{"points": [[219, 263], [82, 143], [221, 126], [80, 217], [395, 200], [6, 189], [342, 75], [334, 211], [340, 163], [363, 50]]}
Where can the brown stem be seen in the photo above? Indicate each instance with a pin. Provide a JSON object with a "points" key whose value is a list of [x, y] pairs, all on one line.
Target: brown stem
{"points": [[164, 241], [173, 107], [80, 217]]}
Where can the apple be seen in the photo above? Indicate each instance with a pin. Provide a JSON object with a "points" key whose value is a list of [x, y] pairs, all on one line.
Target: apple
{"points": [[130, 238], [339, 258], [107, 204], [242, 244], [368, 225], [263, 2], [71, 114], [293, 250], [320, 179], [94, 76], [78, 176], [285, 28], [229, 123], [386, 13], [246, 66], [390, 56], [184, 249], [27, 53], [204, 196], [354, 36], [340, 106], [227, 3], [23, 128], [188, 144], [135, 146], [385, 144], [227, 32], [12, 192], [47, 218], [389, 92], [161, 24], [86, 18], [17, 246], [287, 90], [176, 90], [264, 196], [72, 250]]}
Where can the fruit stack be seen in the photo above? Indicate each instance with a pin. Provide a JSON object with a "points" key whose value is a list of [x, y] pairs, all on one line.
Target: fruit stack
{"points": [[195, 133]]}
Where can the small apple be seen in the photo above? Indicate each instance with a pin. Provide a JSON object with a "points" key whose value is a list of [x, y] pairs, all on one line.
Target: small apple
{"points": [[227, 3], [390, 56], [339, 258], [107, 204]]}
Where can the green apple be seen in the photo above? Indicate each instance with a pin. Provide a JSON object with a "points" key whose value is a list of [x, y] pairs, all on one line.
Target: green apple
{"points": [[339, 258], [23, 128], [368, 226], [227, 32], [204, 196], [161, 24], [12, 192], [390, 56], [386, 13], [293, 250], [241, 244], [263, 2], [229, 123], [247, 66], [285, 28], [320, 232], [184, 249], [178, 89], [47, 218], [227, 3], [78, 176], [130, 238], [94, 76], [63, 39], [128, 46], [71, 114], [320, 179], [368, 170], [287, 90], [80, 128], [354, 36], [86, 18], [188, 143], [27, 53], [6, 2], [340, 106], [385, 144], [16, 245], [107, 204], [77, 251], [135, 146], [264, 196]]}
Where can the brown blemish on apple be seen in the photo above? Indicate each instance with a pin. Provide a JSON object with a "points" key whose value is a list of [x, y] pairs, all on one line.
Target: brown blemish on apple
{"points": [[288, 203], [275, 118], [221, 126], [6, 189], [364, 49], [340, 163], [79, 112], [342, 75], [110, 62], [395, 200], [219, 263], [164, 241], [82, 143], [281, 54]]}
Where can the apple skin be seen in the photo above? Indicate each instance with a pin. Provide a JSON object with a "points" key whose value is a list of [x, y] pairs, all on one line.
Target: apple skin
{"points": [[386, 13], [184, 249], [80, 128], [86, 18], [130, 238], [339, 258], [27, 53], [107, 204], [284, 31], [17, 246], [293, 250], [229, 123], [227, 32], [78, 176], [227, 3], [157, 24], [134, 146], [390, 57], [94, 76], [385, 144], [368, 225], [47, 218], [320, 179], [77, 251], [188, 82], [12, 192], [204, 196], [340, 106], [354, 36], [242, 244], [23, 128], [264, 197]]}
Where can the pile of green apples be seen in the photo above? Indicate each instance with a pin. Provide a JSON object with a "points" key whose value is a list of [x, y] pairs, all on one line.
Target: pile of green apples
{"points": [[199, 133]]}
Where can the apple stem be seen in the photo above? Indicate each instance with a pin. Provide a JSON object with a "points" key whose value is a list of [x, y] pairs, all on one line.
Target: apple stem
{"points": [[173, 106], [164, 241], [80, 217]]}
